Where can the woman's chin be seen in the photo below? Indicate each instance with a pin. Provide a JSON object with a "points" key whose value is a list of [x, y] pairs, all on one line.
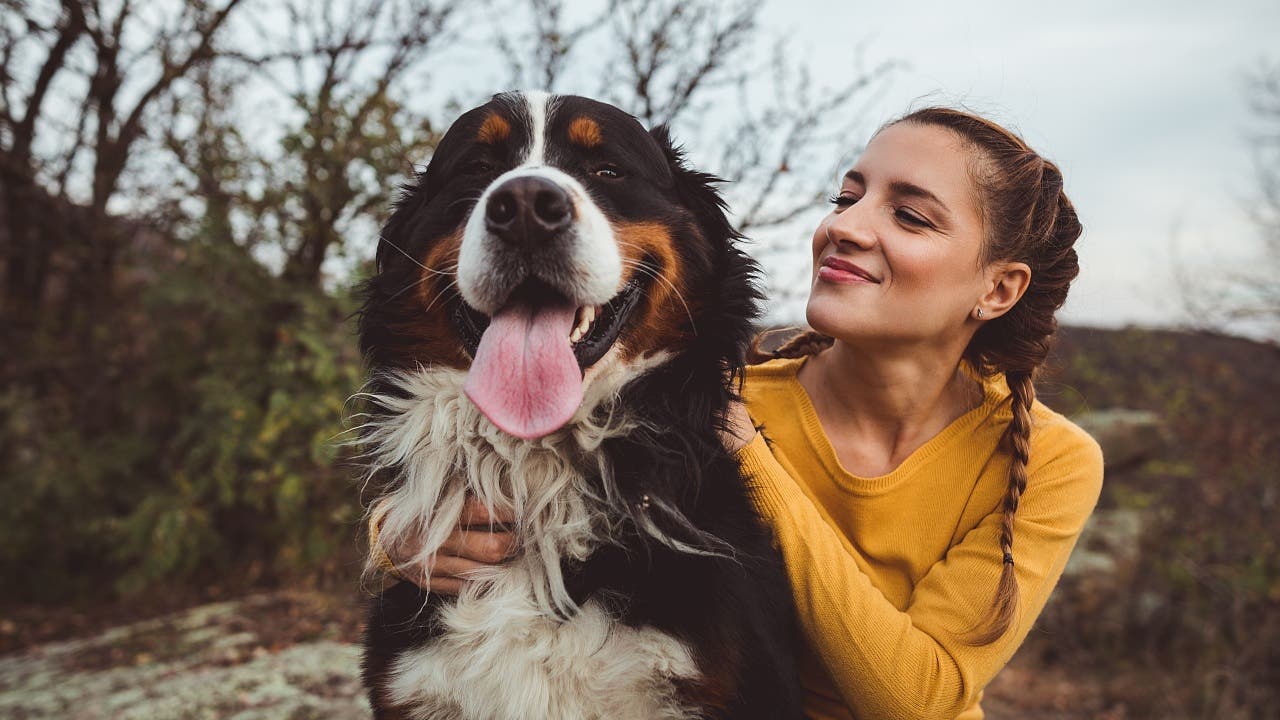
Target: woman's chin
{"points": [[850, 323], [829, 318]]}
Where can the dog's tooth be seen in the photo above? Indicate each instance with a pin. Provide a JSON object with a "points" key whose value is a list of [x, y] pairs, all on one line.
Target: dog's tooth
{"points": [[580, 325], [582, 320]]}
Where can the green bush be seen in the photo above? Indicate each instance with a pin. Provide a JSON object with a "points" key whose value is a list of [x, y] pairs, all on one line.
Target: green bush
{"points": [[228, 390]]}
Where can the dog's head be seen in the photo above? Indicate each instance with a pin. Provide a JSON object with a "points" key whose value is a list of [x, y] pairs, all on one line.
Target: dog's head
{"points": [[549, 239]]}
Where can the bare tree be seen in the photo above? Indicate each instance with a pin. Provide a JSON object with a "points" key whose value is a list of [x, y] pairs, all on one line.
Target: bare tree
{"points": [[26, 32], [1248, 297], [343, 71], [539, 56], [336, 74], [80, 80], [1263, 285]]}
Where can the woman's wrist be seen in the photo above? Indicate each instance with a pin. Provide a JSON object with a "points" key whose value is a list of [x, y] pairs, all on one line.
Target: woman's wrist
{"points": [[739, 428], [382, 559]]}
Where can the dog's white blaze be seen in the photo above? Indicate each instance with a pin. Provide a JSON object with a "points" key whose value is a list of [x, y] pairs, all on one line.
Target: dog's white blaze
{"points": [[538, 104], [504, 650]]}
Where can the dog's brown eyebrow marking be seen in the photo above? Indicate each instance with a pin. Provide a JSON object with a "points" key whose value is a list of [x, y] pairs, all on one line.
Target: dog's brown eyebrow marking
{"points": [[493, 130], [585, 132]]}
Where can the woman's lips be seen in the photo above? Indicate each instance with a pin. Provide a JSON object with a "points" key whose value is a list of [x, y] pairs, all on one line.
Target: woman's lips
{"points": [[833, 269]]}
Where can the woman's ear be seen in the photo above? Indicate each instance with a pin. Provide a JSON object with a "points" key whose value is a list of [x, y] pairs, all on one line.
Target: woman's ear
{"points": [[1005, 284]]}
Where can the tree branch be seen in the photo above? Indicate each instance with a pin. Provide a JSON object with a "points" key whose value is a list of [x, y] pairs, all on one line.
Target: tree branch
{"points": [[69, 32], [170, 72]]}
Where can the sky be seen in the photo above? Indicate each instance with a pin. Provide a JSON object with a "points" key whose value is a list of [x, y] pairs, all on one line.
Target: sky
{"points": [[1142, 104]]}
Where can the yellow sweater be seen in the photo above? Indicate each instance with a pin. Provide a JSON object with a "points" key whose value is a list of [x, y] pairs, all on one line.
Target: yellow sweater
{"points": [[890, 572]]}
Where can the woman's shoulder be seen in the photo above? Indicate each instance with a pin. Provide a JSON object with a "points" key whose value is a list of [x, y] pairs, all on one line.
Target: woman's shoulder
{"points": [[1055, 435], [773, 394], [775, 377], [777, 368], [1064, 465], [1064, 470]]}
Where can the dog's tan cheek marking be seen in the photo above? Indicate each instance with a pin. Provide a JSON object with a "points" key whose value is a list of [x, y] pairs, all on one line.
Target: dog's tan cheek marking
{"points": [[493, 130], [664, 319], [441, 260], [425, 313], [585, 132]]}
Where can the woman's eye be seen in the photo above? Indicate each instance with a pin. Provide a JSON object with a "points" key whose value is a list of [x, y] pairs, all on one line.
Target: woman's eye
{"points": [[910, 218], [842, 200], [607, 171]]}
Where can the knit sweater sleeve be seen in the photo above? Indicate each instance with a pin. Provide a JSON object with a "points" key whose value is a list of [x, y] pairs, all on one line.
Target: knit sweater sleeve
{"points": [[916, 663]]}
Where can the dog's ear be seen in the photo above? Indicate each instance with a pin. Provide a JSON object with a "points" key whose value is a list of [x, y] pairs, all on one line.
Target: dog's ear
{"points": [[732, 294], [697, 190], [413, 195]]}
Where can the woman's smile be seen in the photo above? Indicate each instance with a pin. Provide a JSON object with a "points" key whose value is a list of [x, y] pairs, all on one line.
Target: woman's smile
{"points": [[836, 270]]}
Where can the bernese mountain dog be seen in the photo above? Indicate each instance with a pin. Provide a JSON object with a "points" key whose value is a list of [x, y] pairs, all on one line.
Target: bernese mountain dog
{"points": [[556, 326]]}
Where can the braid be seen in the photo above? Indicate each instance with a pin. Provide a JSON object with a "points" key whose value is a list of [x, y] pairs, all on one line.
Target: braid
{"points": [[1017, 442], [1027, 218], [809, 342]]}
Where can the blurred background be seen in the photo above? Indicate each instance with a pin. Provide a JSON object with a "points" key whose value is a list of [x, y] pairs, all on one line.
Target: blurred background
{"points": [[190, 191]]}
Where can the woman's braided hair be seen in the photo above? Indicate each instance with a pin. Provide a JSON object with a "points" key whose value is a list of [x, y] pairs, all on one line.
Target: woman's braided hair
{"points": [[1027, 218]]}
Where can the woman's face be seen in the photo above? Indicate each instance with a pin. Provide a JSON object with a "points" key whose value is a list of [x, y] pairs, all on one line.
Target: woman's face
{"points": [[898, 257]]}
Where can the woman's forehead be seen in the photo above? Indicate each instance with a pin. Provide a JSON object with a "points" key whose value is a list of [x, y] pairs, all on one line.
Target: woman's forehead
{"points": [[931, 157]]}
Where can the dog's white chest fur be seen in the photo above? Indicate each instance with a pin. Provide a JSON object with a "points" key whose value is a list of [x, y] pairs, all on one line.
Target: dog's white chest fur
{"points": [[503, 650], [500, 657]]}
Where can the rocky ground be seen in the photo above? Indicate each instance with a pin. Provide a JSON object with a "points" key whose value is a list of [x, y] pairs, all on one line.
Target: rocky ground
{"points": [[291, 656], [263, 657]]}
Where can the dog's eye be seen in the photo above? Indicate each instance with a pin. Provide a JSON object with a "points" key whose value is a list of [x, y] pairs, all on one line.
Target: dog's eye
{"points": [[478, 167], [607, 171]]}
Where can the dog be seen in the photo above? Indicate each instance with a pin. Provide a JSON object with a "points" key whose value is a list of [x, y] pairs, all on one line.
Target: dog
{"points": [[556, 324]]}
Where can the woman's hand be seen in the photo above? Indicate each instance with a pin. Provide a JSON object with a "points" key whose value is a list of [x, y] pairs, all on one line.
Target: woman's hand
{"points": [[740, 429], [479, 541]]}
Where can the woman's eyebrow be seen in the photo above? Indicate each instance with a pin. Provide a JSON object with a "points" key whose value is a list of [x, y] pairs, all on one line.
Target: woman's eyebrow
{"points": [[902, 187]]}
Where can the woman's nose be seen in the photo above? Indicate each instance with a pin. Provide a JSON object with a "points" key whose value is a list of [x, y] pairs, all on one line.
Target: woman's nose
{"points": [[854, 225]]}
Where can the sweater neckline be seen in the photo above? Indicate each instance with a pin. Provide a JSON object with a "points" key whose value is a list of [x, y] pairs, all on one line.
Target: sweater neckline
{"points": [[994, 393]]}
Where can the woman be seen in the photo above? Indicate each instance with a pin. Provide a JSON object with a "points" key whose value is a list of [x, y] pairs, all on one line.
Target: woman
{"points": [[924, 501]]}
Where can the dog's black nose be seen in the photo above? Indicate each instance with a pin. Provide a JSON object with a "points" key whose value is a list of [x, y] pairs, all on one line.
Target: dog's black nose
{"points": [[528, 211]]}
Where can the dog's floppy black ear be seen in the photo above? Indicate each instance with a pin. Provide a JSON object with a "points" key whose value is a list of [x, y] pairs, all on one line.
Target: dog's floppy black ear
{"points": [[732, 294], [414, 194], [697, 190]]}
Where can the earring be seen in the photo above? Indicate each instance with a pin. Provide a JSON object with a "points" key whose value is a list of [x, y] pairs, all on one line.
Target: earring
{"points": [[978, 313]]}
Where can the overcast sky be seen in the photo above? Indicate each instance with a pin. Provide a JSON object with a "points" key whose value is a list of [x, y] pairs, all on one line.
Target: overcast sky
{"points": [[1142, 104]]}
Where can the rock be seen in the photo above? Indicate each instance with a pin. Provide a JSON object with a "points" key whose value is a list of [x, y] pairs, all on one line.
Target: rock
{"points": [[1128, 437], [192, 664], [1109, 540]]}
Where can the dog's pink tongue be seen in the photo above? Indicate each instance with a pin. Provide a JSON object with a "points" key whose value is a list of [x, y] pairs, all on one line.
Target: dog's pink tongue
{"points": [[524, 376]]}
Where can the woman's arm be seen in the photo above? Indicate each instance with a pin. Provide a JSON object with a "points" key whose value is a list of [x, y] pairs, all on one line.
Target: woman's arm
{"points": [[915, 663]]}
